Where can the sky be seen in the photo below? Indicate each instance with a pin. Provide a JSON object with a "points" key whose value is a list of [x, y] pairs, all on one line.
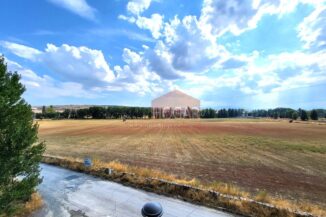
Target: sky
{"points": [[232, 54]]}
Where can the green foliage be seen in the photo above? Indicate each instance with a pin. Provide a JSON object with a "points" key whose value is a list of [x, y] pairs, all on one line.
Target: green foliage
{"points": [[222, 113], [208, 113], [19, 153], [304, 115], [295, 115], [50, 109], [314, 115], [275, 115]]}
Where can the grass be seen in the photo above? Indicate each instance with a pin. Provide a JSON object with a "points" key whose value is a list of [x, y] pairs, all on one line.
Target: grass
{"points": [[263, 196], [33, 204], [286, 160]]}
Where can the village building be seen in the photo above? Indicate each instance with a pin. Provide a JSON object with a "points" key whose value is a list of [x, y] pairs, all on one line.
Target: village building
{"points": [[176, 104]]}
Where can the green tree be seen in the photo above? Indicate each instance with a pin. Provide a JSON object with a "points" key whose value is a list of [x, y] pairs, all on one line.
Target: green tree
{"points": [[275, 115], [295, 115], [43, 110], [314, 115], [19, 153], [50, 109], [304, 115]]}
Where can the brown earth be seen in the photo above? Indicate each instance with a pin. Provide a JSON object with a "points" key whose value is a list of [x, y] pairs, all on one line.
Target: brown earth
{"points": [[286, 159]]}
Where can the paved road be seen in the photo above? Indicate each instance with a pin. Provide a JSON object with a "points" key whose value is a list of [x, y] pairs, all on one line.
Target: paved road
{"points": [[68, 193]]}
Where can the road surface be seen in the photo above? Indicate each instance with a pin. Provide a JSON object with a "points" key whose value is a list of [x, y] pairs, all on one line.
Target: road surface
{"points": [[69, 193]]}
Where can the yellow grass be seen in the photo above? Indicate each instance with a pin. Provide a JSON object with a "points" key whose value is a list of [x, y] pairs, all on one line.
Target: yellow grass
{"points": [[34, 203]]}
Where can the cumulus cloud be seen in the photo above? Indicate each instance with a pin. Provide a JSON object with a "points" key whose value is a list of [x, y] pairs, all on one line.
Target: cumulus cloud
{"points": [[154, 24], [21, 50], [44, 87], [286, 71], [136, 75], [312, 31], [183, 47], [192, 50], [79, 7], [81, 64], [238, 16], [234, 15], [78, 64], [136, 7], [85, 69]]}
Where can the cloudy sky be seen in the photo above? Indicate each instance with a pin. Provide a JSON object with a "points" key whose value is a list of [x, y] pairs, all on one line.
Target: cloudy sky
{"points": [[234, 53]]}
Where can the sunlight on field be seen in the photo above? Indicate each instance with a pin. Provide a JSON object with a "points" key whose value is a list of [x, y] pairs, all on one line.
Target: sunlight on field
{"points": [[288, 159]]}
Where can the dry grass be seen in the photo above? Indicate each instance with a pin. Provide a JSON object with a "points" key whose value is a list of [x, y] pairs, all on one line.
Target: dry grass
{"points": [[263, 196], [30, 206], [34, 203], [199, 195], [223, 188]]}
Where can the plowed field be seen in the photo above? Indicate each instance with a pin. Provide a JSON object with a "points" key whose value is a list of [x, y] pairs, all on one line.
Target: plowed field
{"points": [[287, 159]]}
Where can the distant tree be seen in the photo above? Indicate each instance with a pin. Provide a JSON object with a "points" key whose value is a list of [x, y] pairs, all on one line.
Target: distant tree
{"points": [[304, 115], [314, 115], [82, 113], [19, 152], [275, 115], [65, 113], [295, 115], [43, 110], [50, 109], [208, 113], [222, 113], [97, 112]]}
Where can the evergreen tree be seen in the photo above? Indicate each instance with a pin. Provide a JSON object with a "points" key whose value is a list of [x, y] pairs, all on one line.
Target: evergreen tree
{"points": [[19, 153], [304, 115], [314, 115], [43, 110], [295, 115]]}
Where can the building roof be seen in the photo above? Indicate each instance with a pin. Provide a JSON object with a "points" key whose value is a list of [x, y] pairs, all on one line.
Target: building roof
{"points": [[176, 98]]}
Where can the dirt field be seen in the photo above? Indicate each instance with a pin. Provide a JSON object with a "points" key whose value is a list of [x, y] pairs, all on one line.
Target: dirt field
{"points": [[285, 159]]}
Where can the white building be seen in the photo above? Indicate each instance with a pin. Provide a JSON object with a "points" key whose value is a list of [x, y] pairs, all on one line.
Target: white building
{"points": [[176, 104]]}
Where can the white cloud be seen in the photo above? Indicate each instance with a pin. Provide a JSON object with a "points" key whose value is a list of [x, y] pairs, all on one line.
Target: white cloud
{"points": [[44, 87], [312, 31], [85, 69], [136, 76], [136, 7], [77, 64], [221, 16], [21, 50], [81, 64], [154, 24], [183, 47], [238, 16], [79, 7]]}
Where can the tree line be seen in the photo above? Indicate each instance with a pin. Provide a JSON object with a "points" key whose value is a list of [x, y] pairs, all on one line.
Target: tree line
{"points": [[96, 112], [289, 113], [118, 112]]}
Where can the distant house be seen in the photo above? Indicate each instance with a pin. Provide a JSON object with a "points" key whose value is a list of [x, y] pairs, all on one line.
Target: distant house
{"points": [[176, 104], [36, 110]]}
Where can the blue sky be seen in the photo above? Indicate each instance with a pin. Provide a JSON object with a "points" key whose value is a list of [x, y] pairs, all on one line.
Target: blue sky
{"points": [[235, 53]]}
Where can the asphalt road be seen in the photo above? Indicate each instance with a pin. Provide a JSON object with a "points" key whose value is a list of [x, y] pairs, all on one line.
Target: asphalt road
{"points": [[69, 193]]}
